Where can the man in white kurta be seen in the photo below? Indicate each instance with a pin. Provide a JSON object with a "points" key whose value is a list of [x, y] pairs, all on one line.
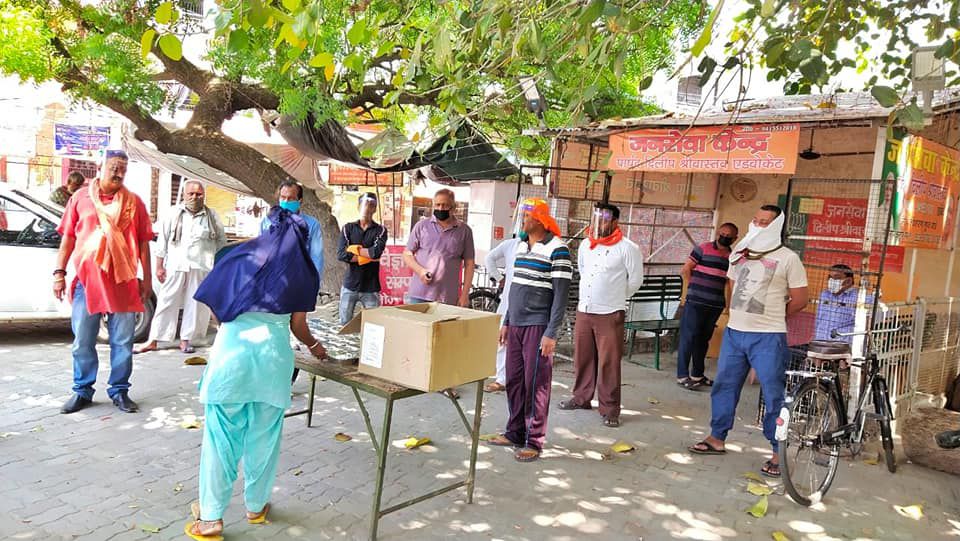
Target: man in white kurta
{"points": [[189, 237]]}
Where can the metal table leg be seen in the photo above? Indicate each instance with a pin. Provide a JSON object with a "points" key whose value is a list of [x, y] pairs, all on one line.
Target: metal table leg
{"points": [[381, 468], [474, 442], [310, 398]]}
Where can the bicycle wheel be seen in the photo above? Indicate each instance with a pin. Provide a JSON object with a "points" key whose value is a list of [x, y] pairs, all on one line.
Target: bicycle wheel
{"points": [[881, 404], [484, 300], [808, 467]]}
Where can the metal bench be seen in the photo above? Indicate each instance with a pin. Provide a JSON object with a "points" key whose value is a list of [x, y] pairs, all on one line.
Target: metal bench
{"points": [[652, 309]]}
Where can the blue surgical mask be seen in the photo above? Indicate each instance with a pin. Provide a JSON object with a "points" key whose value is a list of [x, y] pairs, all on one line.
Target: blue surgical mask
{"points": [[523, 235], [292, 206]]}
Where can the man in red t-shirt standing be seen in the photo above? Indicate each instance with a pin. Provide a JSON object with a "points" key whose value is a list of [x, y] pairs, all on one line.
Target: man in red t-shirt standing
{"points": [[106, 228]]}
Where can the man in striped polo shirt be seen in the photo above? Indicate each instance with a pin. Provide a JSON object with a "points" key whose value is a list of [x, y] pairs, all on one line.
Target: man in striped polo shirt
{"points": [[707, 293], [542, 271]]}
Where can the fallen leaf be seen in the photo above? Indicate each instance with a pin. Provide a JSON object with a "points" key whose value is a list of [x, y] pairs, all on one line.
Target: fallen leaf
{"points": [[911, 511], [487, 437], [754, 477], [38, 428], [133, 506], [195, 361], [6, 435], [652, 400], [178, 487], [759, 509], [298, 473], [341, 437], [622, 447], [872, 461], [191, 424], [414, 442], [758, 490], [149, 528], [779, 536]]}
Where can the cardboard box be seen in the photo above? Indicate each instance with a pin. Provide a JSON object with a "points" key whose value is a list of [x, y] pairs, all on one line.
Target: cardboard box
{"points": [[428, 346]]}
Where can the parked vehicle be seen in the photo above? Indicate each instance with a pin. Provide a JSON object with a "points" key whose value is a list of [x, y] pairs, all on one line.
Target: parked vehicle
{"points": [[28, 254]]}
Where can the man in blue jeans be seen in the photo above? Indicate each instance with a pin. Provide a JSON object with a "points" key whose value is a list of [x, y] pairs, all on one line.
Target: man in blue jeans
{"points": [[769, 283], [106, 230], [361, 245]]}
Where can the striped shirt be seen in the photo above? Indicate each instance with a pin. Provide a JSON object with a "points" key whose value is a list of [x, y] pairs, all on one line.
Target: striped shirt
{"points": [[541, 285], [708, 280]]}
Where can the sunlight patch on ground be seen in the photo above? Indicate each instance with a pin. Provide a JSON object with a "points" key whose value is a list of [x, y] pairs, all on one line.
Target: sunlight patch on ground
{"points": [[679, 458], [594, 507], [554, 482]]}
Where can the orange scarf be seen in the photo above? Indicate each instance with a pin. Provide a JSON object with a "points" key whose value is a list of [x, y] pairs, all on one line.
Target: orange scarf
{"points": [[113, 247], [609, 240]]}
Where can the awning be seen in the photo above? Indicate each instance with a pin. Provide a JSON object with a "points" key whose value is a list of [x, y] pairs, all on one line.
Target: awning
{"points": [[184, 166]]}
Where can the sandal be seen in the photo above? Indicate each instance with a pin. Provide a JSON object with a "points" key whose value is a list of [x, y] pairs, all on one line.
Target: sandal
{"points": [[501, 441], [770, 469], [571, 405], [493, 387], [694, 384], [527, 454], [612, 422], [189, 349], [684, 382], [705, 448], [451, 393], [258, 518], [194, 530]]}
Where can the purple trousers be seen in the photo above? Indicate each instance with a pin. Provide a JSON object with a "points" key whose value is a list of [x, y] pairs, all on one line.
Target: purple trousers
{"points": [[529, 378]]}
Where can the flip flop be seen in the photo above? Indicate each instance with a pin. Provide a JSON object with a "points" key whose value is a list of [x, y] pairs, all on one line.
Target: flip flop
{"points": [[189, 349], [145, 350], [259, 518], [571, 405], [523, 455], [611, 422], [710, 449], [188, 529], [501, 441], [770, 469]]}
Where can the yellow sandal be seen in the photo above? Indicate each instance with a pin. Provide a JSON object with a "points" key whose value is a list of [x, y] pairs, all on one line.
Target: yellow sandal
{"points": [[192, 529], [258, 518]]}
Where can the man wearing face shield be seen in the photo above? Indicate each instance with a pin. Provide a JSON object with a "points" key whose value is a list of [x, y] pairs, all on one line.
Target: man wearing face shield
{"points": [[705, 273], [360, 246], [106, 231], [769, 284], [190, 236], [538, 301], [611, 270]]}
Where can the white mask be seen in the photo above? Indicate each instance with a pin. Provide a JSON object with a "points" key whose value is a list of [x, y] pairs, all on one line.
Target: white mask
{"points": [[834, 285], [759, 239]]}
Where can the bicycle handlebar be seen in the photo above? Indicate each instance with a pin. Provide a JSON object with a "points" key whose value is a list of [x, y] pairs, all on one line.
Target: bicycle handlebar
{"points": [[835, 334]]}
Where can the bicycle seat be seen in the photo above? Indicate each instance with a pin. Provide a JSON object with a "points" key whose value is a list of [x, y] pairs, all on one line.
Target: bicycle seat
{"points": [[828, 350]]}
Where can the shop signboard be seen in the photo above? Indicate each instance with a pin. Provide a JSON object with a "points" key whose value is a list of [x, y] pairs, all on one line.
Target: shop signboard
{"points": [[769, 149], [74, 140], [925, 204], [395, 276], [87, 168], [342, 175]]}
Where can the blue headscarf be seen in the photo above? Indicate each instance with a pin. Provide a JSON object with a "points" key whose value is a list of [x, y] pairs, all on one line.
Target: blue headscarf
{"points": [[271, 273]]}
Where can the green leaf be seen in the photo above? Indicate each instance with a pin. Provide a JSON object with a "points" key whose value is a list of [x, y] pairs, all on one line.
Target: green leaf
{"points": [[706, 67], [146, 42], [731, 62], [592, 12], [645, 83], [759, 509], [800, 51], [814, 69], [288, 35], [222, 20], [164, 14], [885, 96], [768, 9], [618, 63], [258, 13], [171, 46], [354, 62], [238, 41], [357, 33], [707, 34], [946, 49], [291, 5], [321, 60], [912, 117], [505, 22]]}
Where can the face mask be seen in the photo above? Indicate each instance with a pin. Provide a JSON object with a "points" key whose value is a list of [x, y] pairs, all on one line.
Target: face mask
{"points": [[292, 206], [726, 242], [834, 285], [195, 205], [523, 236], [442, 215]]}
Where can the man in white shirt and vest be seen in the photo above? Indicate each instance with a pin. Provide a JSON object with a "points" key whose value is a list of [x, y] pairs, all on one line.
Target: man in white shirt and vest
{"points": [[502, 255], [188, 241], [611, 270]]}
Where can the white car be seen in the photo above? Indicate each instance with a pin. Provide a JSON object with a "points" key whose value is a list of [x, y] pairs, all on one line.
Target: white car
{"points": [[28, 255]]}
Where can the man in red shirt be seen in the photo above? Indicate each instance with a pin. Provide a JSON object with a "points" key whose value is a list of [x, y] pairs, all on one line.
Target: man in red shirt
{"points": [[106, 228]]}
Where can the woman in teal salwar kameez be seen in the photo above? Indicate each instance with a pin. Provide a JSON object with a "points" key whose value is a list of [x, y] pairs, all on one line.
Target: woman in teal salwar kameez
{"points": [[260, 292]]}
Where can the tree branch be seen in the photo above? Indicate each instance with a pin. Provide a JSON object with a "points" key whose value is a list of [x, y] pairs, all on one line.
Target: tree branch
{"points": [[373, 95]]}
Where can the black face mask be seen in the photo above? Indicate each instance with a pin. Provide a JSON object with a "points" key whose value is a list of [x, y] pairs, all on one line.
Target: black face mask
{"points": [[442, 215], [726, 242]]}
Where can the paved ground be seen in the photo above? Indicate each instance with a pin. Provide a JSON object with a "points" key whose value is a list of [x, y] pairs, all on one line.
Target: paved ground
{"points": [[101, 474]]}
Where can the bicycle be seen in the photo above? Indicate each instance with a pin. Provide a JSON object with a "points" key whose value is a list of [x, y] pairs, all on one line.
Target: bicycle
{"points": [[813, 422], [487, 299]]}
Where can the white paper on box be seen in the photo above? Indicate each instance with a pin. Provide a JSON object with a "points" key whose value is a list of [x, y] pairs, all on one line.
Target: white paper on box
{"points": [[371, 349]]}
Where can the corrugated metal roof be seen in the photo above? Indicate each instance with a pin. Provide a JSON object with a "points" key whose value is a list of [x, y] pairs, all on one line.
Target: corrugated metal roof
{"points": [[802, 108]]}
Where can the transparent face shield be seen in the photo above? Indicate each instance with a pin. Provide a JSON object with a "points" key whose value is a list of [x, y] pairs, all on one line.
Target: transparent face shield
{"points": [[601, 223], [367, 206], [522, 210]]}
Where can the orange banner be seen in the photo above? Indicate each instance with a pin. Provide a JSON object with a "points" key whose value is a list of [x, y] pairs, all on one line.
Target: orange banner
{"points": [[926, 208], [760, 148]]}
